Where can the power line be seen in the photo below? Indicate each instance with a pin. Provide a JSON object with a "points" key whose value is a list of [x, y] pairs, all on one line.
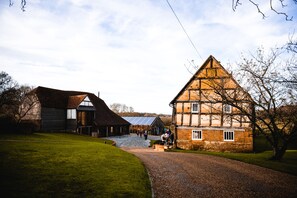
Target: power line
{"points": [[184, 30]]}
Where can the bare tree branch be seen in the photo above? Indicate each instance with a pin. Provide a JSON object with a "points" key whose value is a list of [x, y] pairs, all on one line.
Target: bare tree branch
{"points": [[23, 4], [280, 13], [236, 3], [258, 8]]}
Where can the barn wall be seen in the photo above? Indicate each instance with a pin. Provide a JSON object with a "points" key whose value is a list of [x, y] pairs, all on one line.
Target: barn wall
{"points": [[213, 140], [71, 125], [105, 131], [53, 119]]}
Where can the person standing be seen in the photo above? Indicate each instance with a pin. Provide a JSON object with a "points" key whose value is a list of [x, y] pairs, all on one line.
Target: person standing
{"points": [[145, 134]]}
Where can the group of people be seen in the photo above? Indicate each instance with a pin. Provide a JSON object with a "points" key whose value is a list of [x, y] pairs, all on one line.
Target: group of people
{"points": [[167, 137], [144, 133]]}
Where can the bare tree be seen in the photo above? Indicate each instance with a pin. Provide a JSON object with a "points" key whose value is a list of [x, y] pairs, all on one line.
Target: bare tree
{"points": [[235, 3], [15, 100], [8, 91], [26, 102], [121, 108], [274, 100], [272, 4]]}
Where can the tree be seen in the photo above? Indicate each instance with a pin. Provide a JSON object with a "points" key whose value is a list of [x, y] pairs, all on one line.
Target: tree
{"points": [[26, 101], [268, 80], [121, 108], [8, 91], [15, 100], [272, 4]]}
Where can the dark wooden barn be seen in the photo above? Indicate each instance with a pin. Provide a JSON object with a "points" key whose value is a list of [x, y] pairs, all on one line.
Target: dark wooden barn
{"points": [[75, 111]]}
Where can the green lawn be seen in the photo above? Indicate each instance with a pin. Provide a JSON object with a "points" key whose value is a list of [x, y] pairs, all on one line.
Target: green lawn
{"points": [[261, 156], [68, 165]]}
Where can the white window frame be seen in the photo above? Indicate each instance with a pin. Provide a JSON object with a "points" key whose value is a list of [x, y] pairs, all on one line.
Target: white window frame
{"points": [[71, 114], [229, 135], [199, 134], [229, 108], [192, 107], [86, 102]]}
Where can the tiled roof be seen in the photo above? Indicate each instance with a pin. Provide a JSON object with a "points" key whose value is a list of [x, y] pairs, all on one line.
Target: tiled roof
{"points": [[74, 101], [60, 99]]}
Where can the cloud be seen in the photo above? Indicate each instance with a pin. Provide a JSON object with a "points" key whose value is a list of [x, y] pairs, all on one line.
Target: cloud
{"points": [[133, 52]]}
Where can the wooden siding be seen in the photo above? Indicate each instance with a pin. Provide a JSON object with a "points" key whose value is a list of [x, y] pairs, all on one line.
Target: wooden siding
{"points": [[53, 119]]}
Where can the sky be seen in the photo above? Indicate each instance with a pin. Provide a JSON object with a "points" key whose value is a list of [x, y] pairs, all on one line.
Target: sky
{"points": [[133, 52]]}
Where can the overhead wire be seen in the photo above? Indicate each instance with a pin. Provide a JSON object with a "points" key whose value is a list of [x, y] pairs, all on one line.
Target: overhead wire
{"points": [[184, 30]]}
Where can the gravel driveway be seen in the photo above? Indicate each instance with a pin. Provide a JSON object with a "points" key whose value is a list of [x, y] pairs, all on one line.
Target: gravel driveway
{"points": [[133, 140], [195, 175]]}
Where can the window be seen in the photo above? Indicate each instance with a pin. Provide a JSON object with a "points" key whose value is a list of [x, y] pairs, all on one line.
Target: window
{"points": [[71, 113], [197, 135], [86, 102], [228, 135], [227, 108], [195, 107]]}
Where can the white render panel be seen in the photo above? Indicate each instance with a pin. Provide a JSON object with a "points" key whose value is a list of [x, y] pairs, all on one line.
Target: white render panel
{"points": [[195, 120], [216, 120], [204, 120], [186, 119], [178, 119]]}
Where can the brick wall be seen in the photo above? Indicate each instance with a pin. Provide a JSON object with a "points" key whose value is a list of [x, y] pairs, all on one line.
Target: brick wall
{"points": [[213, 140]]}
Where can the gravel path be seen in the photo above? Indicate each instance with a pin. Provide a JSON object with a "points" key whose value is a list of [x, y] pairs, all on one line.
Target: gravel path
{"points": [[194, 175], [133, 140]]}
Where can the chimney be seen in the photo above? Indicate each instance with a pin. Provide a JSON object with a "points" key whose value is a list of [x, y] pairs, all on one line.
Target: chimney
{"points": [[98, 94]]}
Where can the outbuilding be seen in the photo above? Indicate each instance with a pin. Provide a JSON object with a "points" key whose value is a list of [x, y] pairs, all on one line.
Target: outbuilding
{"points": [[72, 111], [153, 124]]}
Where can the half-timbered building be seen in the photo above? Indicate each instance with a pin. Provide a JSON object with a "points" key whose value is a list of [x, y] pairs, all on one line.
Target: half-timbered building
{"points": [[203, 114], [75, 111]]}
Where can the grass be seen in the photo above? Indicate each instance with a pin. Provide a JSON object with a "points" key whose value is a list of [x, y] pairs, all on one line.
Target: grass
{"points": [[68, 165], [260, 157]]}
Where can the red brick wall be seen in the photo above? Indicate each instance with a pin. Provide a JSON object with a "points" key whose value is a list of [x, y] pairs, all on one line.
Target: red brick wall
{"points": [[213, 140]]}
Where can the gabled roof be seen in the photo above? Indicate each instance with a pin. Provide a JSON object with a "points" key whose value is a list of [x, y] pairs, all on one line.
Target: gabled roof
{"points": [[74, 101], [141, 120], [60, 99], [210, 60]]}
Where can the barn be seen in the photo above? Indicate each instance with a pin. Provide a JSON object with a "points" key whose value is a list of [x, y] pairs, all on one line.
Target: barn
{"points": [[204, 119], [153, 124], [72, 111]]}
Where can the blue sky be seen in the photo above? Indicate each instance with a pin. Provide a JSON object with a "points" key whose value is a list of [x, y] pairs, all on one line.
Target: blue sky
{"points": [[133, 52]]}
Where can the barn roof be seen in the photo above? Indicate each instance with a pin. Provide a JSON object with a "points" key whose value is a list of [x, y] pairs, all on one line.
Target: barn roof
{"points": [[74, 101], [141, 120], [60, 99]]}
